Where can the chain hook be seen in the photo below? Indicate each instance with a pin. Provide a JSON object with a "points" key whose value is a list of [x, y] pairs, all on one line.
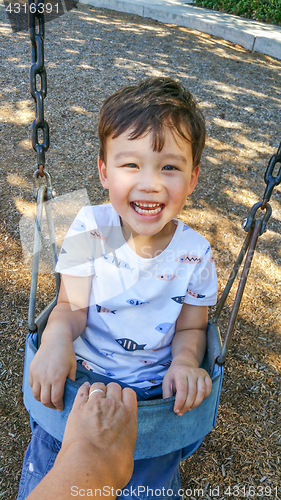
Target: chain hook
{"points": [[247, 223], [50, 192]]}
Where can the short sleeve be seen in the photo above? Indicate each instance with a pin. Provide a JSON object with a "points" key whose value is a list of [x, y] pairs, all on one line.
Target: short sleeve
{"points": [[77, 255], [203, 286]]}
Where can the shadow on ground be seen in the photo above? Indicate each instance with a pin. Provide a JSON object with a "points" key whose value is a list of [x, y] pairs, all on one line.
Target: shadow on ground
{"points": [[89, 54]]}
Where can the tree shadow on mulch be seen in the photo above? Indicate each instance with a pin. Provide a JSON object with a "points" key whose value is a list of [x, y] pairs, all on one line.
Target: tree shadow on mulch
{"points": [[90, 53]]}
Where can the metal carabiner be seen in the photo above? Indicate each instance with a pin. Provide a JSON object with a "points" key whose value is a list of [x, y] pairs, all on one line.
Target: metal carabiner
{"points": [[50, 192]]}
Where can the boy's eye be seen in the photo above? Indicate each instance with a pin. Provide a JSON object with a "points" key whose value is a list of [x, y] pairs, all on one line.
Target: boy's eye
{"points": [[131, 165], [170, 167]]}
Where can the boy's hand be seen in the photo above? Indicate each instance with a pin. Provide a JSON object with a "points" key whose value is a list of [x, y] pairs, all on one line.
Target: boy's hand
{"points": [[48, 371], [191, 385]]}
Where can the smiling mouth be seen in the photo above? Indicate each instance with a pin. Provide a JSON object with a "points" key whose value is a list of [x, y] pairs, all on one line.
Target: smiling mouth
{"points": [[147, 208]]}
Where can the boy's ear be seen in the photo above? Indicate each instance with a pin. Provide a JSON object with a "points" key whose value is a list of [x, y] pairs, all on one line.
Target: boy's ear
{"points": [[193, 179], [103, 173]]}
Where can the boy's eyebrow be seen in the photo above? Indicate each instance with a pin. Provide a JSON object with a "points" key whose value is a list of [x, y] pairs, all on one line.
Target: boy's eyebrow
{"points": [[124, 154], [167, 156], [173, 156]]}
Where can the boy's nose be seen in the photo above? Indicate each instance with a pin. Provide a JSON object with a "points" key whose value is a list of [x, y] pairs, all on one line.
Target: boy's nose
{"points": [[149, 182]]}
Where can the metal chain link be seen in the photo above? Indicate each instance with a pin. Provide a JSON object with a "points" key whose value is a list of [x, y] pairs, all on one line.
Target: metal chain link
{"points": [[271, 181], [36, 34]]}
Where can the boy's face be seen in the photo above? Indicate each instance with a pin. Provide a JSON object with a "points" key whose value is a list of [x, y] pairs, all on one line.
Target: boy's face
{"points": [[148, 188]]}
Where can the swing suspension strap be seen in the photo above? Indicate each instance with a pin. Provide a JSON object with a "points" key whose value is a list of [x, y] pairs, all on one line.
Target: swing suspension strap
{"points": [[39, 126], [255, 227]]}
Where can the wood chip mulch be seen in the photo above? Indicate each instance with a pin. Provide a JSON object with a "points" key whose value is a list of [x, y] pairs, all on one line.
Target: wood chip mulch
{"points": [[90, 53]]}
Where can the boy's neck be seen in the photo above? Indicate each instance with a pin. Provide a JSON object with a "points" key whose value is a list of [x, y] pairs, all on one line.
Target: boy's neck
{"points": [[149, 246]]}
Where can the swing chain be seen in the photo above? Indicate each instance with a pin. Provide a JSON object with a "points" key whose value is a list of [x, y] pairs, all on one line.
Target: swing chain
{"points": [[36, 34], [254, 228], [271, 181]]}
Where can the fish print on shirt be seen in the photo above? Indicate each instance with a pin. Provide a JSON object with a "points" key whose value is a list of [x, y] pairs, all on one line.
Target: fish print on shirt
{"points": [[166, 277], [148, 362], [110, 374], [167, 363], [211, 255], [154, 379], [96, 234], [102, 309], [162, 347], [117, 262], [136, 302], [163, 327], [179, 299], [130, 345], [63, 251], [189, 259], [78, 225], [185, 227], [107, 353], [195, 295]]}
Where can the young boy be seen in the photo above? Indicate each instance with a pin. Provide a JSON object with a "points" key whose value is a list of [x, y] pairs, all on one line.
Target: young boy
{"points": [[135, 280]]}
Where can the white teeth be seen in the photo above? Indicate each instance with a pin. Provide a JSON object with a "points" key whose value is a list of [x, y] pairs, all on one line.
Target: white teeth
{"points": [[153, 212], [147, 204]]}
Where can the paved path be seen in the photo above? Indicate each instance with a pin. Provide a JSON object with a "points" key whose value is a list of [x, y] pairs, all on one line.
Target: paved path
{"points": [[252, 35]]}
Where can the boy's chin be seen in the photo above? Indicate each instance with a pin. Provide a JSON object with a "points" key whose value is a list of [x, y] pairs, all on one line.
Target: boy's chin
{"points": [[150, 232]]}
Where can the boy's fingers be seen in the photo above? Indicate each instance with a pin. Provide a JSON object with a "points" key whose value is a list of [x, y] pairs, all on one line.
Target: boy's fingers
{"points": [[200, 395], [57, 394], [45, 396], [167, 389], [209, 384], [181, 394], [191, 395], [204, 387], [36, 390]]}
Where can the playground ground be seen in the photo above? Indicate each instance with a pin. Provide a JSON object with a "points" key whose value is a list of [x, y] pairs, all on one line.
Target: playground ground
{"points": [[89, 53]]}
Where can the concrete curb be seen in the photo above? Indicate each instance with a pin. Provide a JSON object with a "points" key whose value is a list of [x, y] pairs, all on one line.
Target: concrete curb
{"points": [[251, 35]]}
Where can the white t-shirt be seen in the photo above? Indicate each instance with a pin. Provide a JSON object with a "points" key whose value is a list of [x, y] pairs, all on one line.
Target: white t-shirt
{"points": [[134, 301]]}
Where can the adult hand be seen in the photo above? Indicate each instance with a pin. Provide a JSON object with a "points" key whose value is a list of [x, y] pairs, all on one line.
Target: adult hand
{"points": [[106, 422], [97, 452]]}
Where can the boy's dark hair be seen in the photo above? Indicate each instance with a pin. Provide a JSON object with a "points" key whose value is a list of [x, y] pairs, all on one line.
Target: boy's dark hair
{"points": [[149, 106]]}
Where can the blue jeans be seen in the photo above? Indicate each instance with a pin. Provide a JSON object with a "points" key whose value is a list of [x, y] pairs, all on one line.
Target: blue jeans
{"points": [[153, 478]]}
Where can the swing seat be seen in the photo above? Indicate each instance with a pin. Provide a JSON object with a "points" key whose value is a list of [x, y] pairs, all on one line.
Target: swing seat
{"points": [[160, 430]]}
